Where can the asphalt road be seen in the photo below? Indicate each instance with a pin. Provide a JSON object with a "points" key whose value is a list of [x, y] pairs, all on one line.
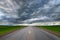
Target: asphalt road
{"points": [[30, 33]]}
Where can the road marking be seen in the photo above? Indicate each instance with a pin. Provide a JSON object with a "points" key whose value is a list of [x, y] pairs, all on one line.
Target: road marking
{"points": [[30, 35], [30, 31]]}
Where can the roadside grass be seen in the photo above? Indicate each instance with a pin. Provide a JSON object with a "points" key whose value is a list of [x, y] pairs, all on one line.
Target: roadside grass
{"points": [[52, 28], [7, 29]]}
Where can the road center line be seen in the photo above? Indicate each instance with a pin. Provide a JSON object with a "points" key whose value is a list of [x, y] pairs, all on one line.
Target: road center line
{"points": [[30, 31]]}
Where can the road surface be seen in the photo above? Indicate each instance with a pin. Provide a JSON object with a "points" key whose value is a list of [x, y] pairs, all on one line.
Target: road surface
{"points": [[30, 33]]}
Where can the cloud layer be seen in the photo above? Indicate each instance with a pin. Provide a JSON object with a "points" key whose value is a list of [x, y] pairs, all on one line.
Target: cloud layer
{"points": [[29, 11]]}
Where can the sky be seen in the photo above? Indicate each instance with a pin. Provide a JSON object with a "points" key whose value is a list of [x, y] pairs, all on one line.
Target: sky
{"points": [[29, 11]]}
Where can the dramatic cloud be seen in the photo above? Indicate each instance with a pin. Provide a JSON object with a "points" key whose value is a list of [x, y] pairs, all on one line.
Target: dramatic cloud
{"points": [[29, 11], [36, 19]]}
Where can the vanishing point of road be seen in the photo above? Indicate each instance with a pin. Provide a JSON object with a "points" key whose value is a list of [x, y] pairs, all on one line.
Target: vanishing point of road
{"points": [[30, 33]]}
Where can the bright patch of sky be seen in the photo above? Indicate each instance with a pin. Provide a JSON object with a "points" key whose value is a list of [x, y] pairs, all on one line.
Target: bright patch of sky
{"points": [[1, 15], [56, 1]]}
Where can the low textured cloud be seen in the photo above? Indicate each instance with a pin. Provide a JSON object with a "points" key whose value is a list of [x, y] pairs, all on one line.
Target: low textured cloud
{"points": [[36, 19]]}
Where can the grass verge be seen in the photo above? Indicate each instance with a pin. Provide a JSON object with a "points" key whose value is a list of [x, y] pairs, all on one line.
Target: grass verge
{"points": [[7, 29], [52, 29]]}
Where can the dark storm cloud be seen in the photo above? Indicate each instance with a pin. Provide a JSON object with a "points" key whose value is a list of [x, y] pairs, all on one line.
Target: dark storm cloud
{"points": [[29, 11]]}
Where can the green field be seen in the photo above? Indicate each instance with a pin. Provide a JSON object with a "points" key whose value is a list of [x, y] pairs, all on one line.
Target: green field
{"points": [[7, 29], [52, 28]]}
